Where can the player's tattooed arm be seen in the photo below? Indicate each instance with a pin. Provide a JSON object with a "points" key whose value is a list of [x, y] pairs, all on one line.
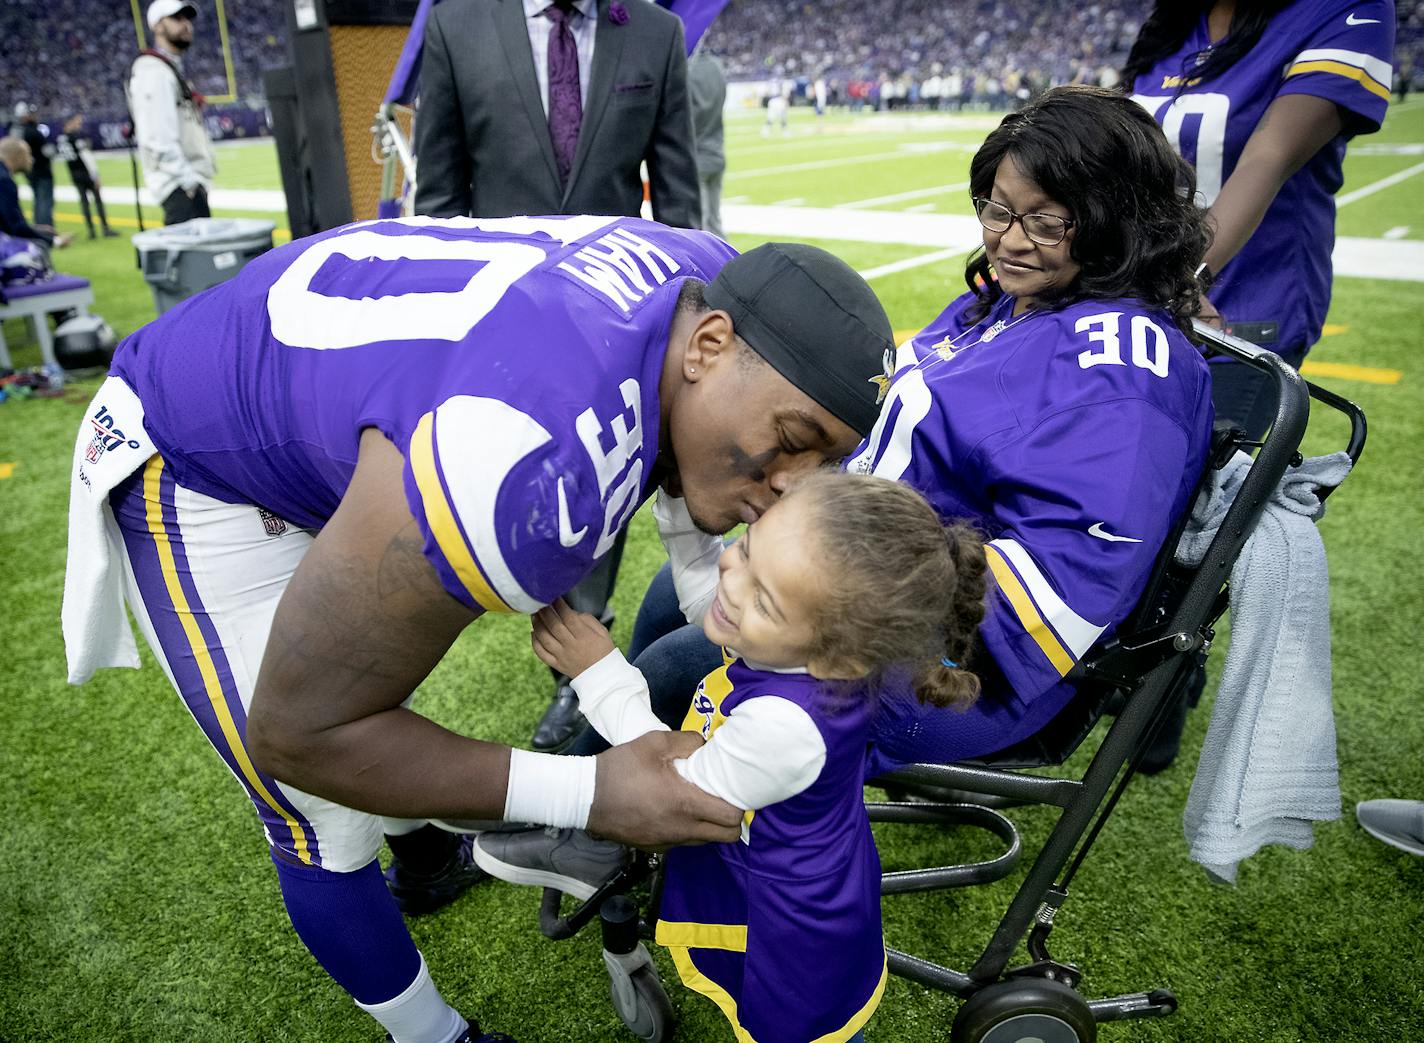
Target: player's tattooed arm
{"points": [[361, 624], [400, 567]]}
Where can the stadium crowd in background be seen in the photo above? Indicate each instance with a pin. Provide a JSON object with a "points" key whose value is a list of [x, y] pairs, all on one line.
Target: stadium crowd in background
{"points": [[66, 56], [890, 54]]}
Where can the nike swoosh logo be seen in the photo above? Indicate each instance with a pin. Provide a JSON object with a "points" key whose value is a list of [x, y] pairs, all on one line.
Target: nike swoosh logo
{"points": [[567, 536], [1350, 19], [1097, 530]]}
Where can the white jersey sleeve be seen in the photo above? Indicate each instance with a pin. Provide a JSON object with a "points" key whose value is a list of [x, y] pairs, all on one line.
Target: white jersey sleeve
{"points": [[768, 750]]}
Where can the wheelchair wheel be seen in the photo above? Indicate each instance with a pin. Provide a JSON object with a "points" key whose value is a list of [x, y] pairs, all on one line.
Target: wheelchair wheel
{"points": [[643, 1005], [1025, 1010]]}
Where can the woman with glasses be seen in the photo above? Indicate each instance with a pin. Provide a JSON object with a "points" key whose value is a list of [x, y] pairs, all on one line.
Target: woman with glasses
{"points": [[1058, 403]]}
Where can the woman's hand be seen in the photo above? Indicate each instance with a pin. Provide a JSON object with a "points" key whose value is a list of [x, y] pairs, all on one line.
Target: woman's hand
{"points": [[567, 640], [1208, 314]]}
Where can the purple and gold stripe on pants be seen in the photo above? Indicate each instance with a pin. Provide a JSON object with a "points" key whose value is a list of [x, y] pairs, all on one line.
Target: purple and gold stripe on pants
{"points": [[145, 506]]}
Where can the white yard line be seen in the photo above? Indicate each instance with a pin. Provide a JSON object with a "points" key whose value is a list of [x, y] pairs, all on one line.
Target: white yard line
{"points": [[947, 234], [846, 161], [1397, 232], [1413, 148], [1379, 258], [937, 231], [1378, 186], [910, 262], [918, 193], [795, 201], [923, 208], [262, 200]]}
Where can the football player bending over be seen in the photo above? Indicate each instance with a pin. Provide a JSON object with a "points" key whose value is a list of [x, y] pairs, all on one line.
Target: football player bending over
{"points": [[309, 480]]}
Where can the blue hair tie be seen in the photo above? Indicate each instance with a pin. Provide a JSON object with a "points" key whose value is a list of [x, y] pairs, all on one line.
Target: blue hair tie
{"points": [[949, 663]]}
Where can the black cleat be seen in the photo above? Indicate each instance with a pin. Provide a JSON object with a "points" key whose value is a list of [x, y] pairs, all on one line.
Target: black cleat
{"points": [[417, 893]]}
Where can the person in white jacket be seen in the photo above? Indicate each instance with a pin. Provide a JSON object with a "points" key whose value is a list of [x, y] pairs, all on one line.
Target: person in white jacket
{"points": [[173, 145]]}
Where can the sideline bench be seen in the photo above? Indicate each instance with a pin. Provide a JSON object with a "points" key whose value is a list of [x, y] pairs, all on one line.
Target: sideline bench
{"points": [[35, 301]]}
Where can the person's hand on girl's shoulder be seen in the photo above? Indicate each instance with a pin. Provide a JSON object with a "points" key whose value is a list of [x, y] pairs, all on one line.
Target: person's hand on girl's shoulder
{"points": [[567, 640]]}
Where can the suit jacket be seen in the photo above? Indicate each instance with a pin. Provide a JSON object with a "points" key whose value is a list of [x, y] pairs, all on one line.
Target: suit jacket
{"points": [[707, 88], [482, 140]]}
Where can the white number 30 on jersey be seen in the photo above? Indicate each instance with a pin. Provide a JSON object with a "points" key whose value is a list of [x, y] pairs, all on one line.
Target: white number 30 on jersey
{"points": [[1148, 342]]}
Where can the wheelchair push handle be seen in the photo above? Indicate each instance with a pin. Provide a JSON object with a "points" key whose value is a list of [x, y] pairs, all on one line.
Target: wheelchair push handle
{"points": [[1288, 382]]}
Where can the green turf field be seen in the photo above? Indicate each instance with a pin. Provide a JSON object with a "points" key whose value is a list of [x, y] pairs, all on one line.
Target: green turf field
{"points": [[137, 901]]}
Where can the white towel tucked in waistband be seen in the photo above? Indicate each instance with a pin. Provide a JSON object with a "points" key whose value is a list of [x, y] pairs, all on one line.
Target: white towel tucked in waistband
{"points": [[111, 445]]}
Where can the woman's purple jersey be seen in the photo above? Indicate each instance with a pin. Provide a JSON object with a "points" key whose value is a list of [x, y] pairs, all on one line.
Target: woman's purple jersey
{"points": [[1073, 436]]}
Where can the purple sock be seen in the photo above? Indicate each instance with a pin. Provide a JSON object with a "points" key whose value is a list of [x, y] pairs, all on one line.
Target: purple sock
{"points": [[351, 924]]}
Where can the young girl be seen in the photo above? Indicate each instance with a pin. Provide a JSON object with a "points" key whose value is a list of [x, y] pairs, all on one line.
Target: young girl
{"points": [[845, 579]]}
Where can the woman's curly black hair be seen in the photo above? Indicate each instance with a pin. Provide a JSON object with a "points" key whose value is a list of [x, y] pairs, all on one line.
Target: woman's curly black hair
{"points": [[1138, 232]]}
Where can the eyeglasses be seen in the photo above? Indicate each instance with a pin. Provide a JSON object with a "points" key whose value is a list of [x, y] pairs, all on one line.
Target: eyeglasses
{"points": [[1044, 229]]}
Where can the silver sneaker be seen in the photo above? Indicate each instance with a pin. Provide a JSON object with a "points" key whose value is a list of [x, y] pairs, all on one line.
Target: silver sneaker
{"points": [[569, 860], [1398, 823]]}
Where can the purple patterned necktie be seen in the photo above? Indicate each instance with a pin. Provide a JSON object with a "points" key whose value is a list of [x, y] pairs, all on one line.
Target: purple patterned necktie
{"points": [[565, 105]]}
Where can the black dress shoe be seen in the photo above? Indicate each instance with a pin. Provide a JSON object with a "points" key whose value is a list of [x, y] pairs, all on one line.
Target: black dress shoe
{"points": [[562, 722]]}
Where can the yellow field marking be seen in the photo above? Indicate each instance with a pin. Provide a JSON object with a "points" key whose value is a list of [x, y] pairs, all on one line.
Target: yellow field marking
{"points": [[1345, 371], [280, 235], [6, 470], [1330, 329]]}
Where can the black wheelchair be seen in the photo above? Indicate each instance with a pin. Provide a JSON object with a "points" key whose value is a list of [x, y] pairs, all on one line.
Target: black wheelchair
{"points": [[1134, 681]]}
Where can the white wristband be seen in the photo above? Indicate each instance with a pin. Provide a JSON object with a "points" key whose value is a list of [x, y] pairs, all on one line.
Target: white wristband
{"points": [[549, 789]]}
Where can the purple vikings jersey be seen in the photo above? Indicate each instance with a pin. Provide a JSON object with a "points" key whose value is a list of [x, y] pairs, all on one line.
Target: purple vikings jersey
{"points": [[1073, 437], [514, 363], [782, 930], [1276, 290]]}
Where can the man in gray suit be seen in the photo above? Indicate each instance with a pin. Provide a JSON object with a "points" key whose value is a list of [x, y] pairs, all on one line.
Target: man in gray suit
{"points": [[498, 135], [707, 85], [551, 107]]}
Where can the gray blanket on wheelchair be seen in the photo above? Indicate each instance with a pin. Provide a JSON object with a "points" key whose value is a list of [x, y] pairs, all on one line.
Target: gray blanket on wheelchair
{"points": [[1268, 767]]}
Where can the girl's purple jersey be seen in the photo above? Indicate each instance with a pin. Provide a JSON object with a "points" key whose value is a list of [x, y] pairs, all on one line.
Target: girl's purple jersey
{"points": [[514, 363], [782, 930], [1276, 290], [1073, 436]]}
